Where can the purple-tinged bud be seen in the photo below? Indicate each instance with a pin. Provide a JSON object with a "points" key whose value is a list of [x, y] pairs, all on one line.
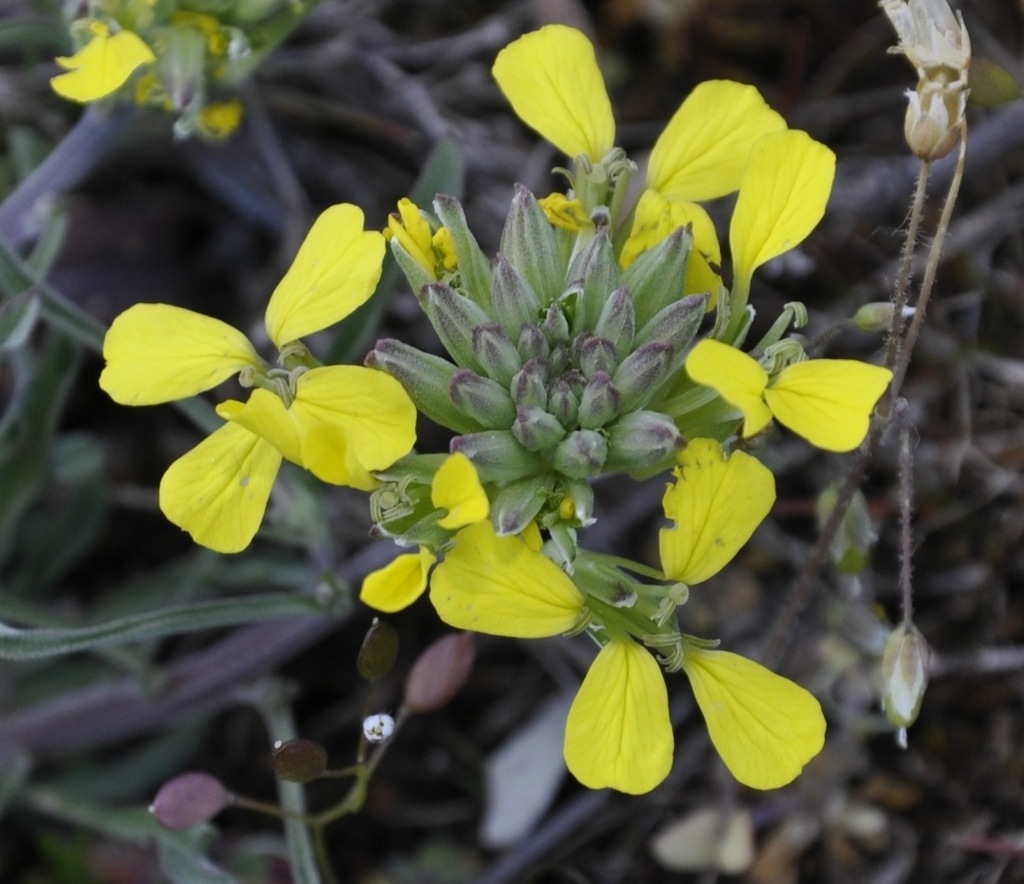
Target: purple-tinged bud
{"points": [[474, 267], [641, 373], [555, 325], [518, 503], [600, 402], [484, 400], [530, 386], [657, 277], [529, 242], [676, 325], [498, 456], [440, 672], [533, 344], [536, 429], [597, 356], [189, 799], [563, 401], [298, 761], [496, 352], [515, 304], [581, 454], [641, 442], [379, 650], [596, 271], [453, 316], [904, 676], [617, 322]]}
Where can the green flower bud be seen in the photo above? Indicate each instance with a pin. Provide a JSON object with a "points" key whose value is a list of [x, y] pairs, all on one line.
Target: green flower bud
{"points": [[515, 303], [656, 277], [555, 325], [617, 322], [484, 400], [563, 399], [641, 442], [415, 273], [474, 268], [496, 352], [537, 429], [596, 272], [852, 543], [498, 456], [454, 317], [600, 403], [581, 454], [518, 503], [426, 378], [596, 356], [641, 373], [533, 344], [529, 242], [530, 386], [299, 761], [874, 317], [676, 325], [904, 676], [379, 650]]}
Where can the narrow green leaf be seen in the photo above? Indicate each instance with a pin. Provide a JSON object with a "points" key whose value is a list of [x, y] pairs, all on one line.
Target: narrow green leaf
{"points": [[18, 317]]}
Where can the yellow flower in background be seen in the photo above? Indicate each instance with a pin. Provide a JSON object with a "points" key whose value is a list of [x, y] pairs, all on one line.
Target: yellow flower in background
{"points": [[765, 727], [827, 401], [552, 80], [102, 66], [219, 119], [716, 503], [339, 422]]}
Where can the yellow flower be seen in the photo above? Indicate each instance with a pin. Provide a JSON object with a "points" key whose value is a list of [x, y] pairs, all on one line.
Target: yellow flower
{"points": [[456, 488], [716, 504], [765, 727], [102, 66], [219, 119], [339, 422], [412, 230], [564, 212], [827, 401]]}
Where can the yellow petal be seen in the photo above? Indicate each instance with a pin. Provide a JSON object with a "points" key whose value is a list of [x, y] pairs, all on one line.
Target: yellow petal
{"points": [[716, 503], [456, 488], [102, 66], [704, 149], [399, 583], [412, 230], [159, 353], [551, 79], [264, 414], [739, 379], [336, 270], [218, 491], [765, 727], [828, 401], [352, 420], [618, 734], [657, 217], [499, 586], [782, 198]]}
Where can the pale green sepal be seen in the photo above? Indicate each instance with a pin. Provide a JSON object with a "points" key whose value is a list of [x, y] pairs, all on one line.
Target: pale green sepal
{"points": [[454, 317], [426, 378], [528, 241], [515, 304], [642, 372], [474, 268], [536, 429], [617, 322], [642, 442], [581, 454], [594, 273], [484, 400], [563, 402], [658, 276], [415, 273], [496, 352], [600, 402], [500, 586], [596, 355], [498, 456], [518, 503], [158, 353], [676, 325], [218, 491], [529, 387]]}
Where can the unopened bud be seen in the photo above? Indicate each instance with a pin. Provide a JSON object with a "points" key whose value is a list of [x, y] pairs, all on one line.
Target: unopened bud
{"points": [[581, 454], [440, 672], [298, 761], [874, 317], [934, 115], [379, 650], [377, 728], [189, 799], [904, 676]]}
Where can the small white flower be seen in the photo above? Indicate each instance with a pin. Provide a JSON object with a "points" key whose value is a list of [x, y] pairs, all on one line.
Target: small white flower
{"points": [[930, 35], [377, 728]]}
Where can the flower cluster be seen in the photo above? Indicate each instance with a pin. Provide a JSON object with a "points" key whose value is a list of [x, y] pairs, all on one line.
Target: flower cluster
{"points": [[600, 339], [171, 56], [576, 352]]}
